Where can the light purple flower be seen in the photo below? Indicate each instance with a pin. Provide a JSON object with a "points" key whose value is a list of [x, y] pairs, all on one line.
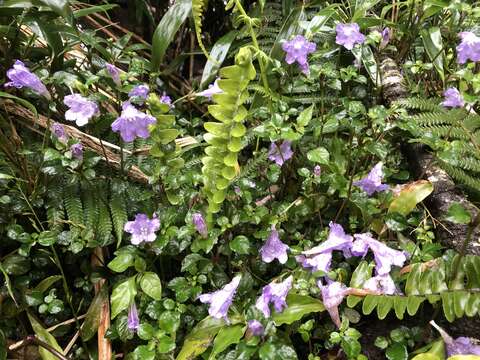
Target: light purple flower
{"points": [[386, 34], [221, 300], [381, 284], [373, 181], [384, 256], [453, 98], [140, 91], [165, 99], [114, 73], [77, 151], [255, 327], [469, 47], [81, 109], [459, 346], [58, 130], [281, 153], [297, 50], [20, 76], [133, 322], [142, 228], [348, 35], [212, 90], [317, 170], [274, 249], [275, 293], [132, 123], [319, 262], [332, 296], [200, 224]]}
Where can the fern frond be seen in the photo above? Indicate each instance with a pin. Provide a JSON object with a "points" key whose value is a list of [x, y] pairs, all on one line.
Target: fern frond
{"points": [[198, 6], [421, 104], [462, 176], [119, 216]]}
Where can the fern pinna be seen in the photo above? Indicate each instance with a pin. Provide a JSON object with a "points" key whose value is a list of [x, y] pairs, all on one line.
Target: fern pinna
{"points": [[453, 134], [224, 138]]}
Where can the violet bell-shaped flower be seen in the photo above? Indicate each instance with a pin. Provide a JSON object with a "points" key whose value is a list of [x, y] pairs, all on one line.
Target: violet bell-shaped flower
{"points": [[348, 35], [77, 151], [58, 130], [114, 73], [133, 322], [255, 327], [386, 34], [140, 91], [373, 181], [459, 346], [274, 248], [297, 50], [221, 300], [469, 47], [81, 110], [142, 228], [453, 98], [212, 90], [332, 296], [20, 76], [381, 285], [275, 293], [167, 100], [200, 224], [280, 153], [132, 123], [384, 256]]}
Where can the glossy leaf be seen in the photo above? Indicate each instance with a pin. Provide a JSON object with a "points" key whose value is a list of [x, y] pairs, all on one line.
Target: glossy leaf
{"points": [[319, 155], [458, 214], [93, 317], [61, 7], [45, 284], [410, 196], [226, 337], [298, 306], [123, 295], [432, 40], [151, 285], [45, 336]]}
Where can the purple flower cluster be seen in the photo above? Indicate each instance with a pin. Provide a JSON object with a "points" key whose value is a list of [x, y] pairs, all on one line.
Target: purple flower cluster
{"points": [[142, 228], [297, 50], [81, 110], [274, 249], [221, 300], [255, 327], [469, 47], [276, 294], [373, 181], [77, 151], [453, 98], [348, 35], [332, 296], [165, 99], [280, 154], [20, 76], [59, 131], [132, 123]]}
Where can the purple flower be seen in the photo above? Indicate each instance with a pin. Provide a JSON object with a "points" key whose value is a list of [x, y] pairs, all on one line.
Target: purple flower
{"points": [[200, 224], [140, 91], [77, 151], [81, 109], [133, 322], [20, 77], [317, 170], [469, 47], [322, 254], [255, 327], [275, 293], [384, 256], [165, 99], [274, 249], [386, 34], [332, 296], [59, 131], [281, 153], [453, 98], [212, 90], [459, 346], [142, 228], [381, 284], [348, 35], [297, 50], [114, 73], [373, 181], [132, 123], [221, 300]]}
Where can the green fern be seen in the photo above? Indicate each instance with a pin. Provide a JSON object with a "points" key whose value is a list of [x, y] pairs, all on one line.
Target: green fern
{"points": [[119, 216], [198, 6]]}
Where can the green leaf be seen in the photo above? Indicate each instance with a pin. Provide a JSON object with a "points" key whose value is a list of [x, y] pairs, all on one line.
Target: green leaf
{"points": [[277, 351], [151, 285], [46, 337], [45, 284], [24, 102], [226, 337], [362, 273], [169, 321], [410, 196], [448, 305], [121, 262], [166, 30], [165, 344], [365, 54], [61, 7], [240, 244], [16, 265], [384, 306], [143, 352], [119, 216], [198, 340], [305, 117], [457, 214], [413, 303], [123, 295], [397, 351], [319, 155], [369, 303], [400, 305], [93, 317], [217, 56], [433, 43], [93, 9], [298, 306]]}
